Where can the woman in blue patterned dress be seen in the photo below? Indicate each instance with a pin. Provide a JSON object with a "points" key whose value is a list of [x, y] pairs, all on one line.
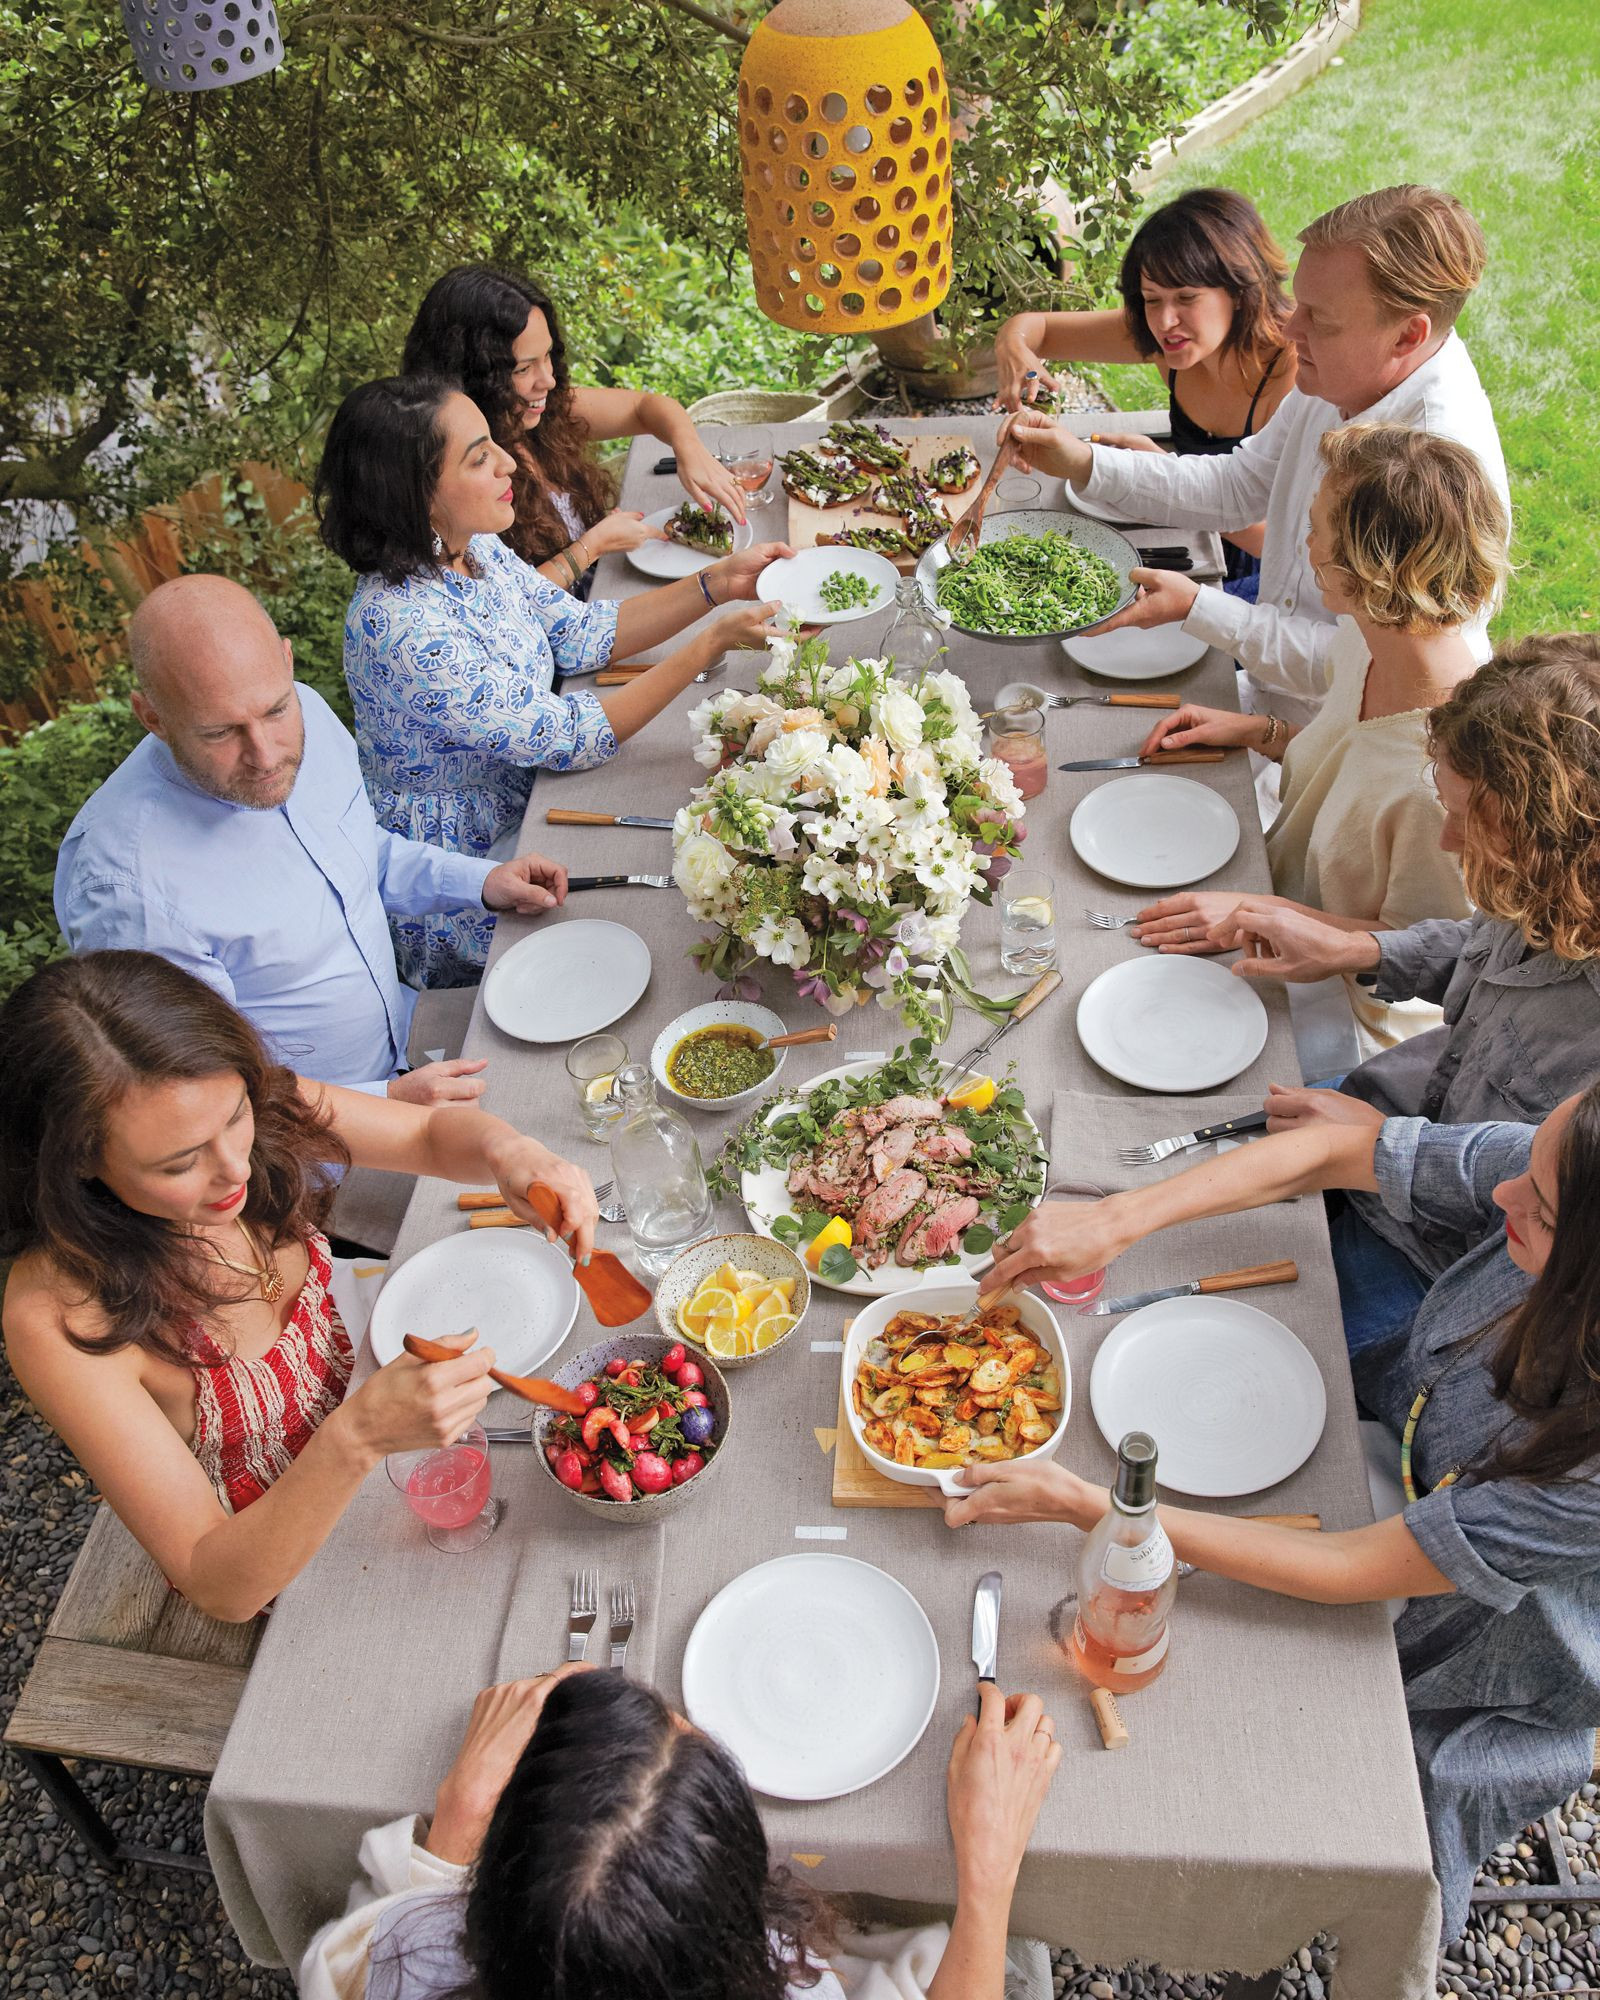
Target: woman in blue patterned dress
{"points": [[452, 643]]}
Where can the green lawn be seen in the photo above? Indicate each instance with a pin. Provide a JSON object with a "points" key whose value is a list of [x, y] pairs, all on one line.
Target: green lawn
{"points": [[1499, 101]]}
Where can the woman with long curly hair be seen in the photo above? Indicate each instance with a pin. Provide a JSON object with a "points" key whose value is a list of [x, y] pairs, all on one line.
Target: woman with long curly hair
{"points": [[588, 1843], [498, 335], [1408, 542], [1490, 1401], [163, 1189], [1203, 301], [1516, 758]]}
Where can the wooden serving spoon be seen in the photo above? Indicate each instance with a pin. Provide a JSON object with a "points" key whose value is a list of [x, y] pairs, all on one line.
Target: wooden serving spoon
{"points": [[615, 1295], [531, 1388], [803, 1035]]}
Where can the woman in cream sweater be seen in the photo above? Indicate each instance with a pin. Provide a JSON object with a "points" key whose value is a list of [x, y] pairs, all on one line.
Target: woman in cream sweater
{"points": [[1408, 544]]}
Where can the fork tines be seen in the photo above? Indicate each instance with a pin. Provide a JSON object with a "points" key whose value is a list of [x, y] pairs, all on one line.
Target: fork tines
{"points": [[584, 1609], [1103, 920], [621, 1621], [1152, 1154]]}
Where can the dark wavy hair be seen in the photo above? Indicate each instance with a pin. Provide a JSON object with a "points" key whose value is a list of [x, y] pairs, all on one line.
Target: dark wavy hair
{"points": [[464, 330], [1547, 1364], [74, 1040], [379, 468], [1211, 237], [625, 1861]]}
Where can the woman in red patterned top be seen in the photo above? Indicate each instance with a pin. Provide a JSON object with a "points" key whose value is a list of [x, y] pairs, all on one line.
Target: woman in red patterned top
{"points": [[163, 1184]]}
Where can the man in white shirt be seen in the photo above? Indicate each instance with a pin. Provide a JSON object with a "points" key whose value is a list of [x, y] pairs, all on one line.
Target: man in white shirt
{"points": [[1380, 283]]}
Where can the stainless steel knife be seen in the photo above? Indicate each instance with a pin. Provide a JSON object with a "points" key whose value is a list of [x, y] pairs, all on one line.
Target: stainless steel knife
{"points": [[986, 1625], [619, 881], [1285, 1272], [1158, 760], [570, 816]]}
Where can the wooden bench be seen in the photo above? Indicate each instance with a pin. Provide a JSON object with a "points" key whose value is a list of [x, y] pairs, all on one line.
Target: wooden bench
{"points": [[128, 1672]]}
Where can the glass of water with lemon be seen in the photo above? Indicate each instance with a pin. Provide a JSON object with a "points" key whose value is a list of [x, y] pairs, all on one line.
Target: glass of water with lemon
{"points": [[593, 1064], [1027, 922]]}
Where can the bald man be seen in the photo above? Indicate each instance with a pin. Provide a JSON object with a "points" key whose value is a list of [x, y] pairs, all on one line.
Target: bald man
{"points": [[237, 841]]}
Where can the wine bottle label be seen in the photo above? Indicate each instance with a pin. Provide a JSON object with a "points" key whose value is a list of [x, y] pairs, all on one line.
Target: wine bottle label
{"points": [[1126, 1663], [1144, 1567]]}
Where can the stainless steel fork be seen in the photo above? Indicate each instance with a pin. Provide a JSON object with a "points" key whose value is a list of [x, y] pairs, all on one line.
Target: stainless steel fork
{"points": [[621, 1621], [1103, 920], [584, 1610], [611, 1210], [1157, 1150]]}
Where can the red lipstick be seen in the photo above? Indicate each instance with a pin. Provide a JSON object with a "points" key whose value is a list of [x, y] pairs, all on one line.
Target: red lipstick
{"points": [[229, 1202]]}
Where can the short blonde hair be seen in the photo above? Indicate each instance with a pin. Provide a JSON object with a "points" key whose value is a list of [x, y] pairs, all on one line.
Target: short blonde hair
{"points": [[1425, 252], [1415, 525]]}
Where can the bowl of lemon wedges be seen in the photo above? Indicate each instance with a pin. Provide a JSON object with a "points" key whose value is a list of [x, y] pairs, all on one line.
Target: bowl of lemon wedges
{"points": [[738, 1297]]}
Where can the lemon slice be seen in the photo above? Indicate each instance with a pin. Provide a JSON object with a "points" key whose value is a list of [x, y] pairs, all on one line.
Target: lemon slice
{"points": [[769, 1330], [599, 1089], [726, 1341], [834, 1230], [1035, 912], [752, 1281], [726, 1277], [975, 1096], [710, 1301]]}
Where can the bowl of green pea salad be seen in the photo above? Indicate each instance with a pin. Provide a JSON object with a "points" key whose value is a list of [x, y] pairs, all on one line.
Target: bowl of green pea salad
{"points": [[1035, 574]]}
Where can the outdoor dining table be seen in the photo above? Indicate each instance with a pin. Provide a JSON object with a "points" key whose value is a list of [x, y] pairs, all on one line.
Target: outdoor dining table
{"points": [[1269, 1789]]}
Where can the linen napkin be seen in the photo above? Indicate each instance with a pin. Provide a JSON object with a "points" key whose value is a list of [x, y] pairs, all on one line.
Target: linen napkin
{"points": [[1087, 1133]]}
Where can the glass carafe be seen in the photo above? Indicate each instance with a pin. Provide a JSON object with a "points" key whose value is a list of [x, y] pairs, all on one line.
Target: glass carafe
{"points": [[660, 1176], [915, 638]]}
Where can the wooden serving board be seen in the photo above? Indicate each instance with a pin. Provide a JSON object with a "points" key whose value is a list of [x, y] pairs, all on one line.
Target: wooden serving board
{"points": [[855, 1484], [807, 523]]}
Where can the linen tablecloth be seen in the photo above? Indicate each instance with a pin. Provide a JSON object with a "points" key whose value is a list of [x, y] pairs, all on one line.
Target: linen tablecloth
{"points": [[1269, 1790]]}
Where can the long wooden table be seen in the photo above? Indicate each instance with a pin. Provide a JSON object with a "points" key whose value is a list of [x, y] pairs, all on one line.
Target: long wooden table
{"points": [[1269, 1790]]}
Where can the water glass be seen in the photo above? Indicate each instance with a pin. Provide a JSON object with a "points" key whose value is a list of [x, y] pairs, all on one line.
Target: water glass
{"points": [[1084, 1290], [1027, 922], [1017, 491], [448, 1488], [593, 1064]]}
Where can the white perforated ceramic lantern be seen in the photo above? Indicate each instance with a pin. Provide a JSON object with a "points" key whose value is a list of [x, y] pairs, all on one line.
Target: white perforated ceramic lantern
{"points": [[202, 44]]}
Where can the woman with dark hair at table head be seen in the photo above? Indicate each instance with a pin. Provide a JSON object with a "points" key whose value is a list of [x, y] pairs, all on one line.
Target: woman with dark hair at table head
{"points": [[170, 1313], [498, 336], [1203, 301], [589, 1843], [452, 643], [1491, 1402]]}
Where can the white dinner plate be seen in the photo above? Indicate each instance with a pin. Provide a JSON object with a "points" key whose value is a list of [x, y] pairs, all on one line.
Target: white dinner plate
{"points": [[513, 1286], [1232, 1398], [672, 558], [765, 1191], [568, 980], [1133, 655], [797, 582], [1098, 510], [1169, 1023], [1153, 830], [818, 1672]]}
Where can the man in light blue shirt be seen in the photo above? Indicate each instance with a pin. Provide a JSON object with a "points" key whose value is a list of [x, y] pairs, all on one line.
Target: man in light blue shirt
{"points": [[238, 842]]}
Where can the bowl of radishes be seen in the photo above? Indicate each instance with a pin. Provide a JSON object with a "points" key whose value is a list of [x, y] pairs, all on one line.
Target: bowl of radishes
{"points": [[653, 1429]]}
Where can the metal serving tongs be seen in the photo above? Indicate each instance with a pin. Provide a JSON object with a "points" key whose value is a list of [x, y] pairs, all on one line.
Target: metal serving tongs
{"points": [[1041, 989], [962, 540]]}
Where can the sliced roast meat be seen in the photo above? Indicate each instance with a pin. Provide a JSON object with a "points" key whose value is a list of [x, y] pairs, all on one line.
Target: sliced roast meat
{"points": [[929, 1238], [948, 1143], [893, 1149], [887, 1205]]}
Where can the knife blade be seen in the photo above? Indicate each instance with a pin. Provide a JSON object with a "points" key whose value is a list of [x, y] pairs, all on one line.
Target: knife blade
{"points": [[619, 882], [986, 1625], [1284, 1272], [1156, 760], [569, 816]]}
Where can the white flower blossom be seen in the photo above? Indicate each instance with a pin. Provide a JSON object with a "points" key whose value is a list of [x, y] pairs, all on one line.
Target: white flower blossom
{"points": [[784, 940], [996, 779], [897, 716], [703, 868]]}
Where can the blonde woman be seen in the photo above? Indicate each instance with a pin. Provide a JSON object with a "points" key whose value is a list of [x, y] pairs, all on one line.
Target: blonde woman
{"points": [[1408, 547]]}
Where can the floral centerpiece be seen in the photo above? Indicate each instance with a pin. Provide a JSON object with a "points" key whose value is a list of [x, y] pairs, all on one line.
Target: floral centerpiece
{"points": [[849, 820]]}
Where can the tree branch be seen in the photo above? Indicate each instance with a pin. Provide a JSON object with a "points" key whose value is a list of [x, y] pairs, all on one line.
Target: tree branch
{"points": [[707, 19]]}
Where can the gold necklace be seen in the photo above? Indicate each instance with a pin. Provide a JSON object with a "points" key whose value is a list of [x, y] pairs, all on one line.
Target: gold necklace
{"points": [[266, 1274]]}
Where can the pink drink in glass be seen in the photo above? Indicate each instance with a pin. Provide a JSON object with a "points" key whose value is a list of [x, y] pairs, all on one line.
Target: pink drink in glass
{"points": [[449, 1488], [1084, 1290]]}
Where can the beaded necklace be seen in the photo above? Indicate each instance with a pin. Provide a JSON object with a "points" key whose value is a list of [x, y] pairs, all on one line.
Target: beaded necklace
{"points": [[1408, 1436]]}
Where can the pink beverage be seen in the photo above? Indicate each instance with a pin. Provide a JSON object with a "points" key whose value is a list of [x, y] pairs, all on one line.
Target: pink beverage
{"points": [[1024, 754], [449, 1488], [751, 473], [1084, 1290]]}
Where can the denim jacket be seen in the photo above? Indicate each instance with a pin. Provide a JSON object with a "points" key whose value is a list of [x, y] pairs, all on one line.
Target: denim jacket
{"points": [[1502, 1678]]}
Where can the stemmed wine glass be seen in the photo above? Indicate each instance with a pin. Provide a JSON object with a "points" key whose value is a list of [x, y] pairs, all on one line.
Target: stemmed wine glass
{"points": [[746, 451]]}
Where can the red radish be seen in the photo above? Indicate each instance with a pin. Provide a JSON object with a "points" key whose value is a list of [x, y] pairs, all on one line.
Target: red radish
{"points": [[614, 1482], [696, 1399], [690, 1375], [587, 1394], [685, 1468], [645, 1421], [666, 1410], [569, 1469], [590, 1485], [651, 1472], [552, 1452], [615, 1367], [673, 1359]]}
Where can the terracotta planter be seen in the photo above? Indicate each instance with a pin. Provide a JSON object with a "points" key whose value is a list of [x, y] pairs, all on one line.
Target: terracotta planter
{"points": [[921, 355]]}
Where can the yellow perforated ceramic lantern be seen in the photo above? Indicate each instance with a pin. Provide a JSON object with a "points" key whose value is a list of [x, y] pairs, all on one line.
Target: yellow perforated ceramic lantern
{"points": [[844, 134]]}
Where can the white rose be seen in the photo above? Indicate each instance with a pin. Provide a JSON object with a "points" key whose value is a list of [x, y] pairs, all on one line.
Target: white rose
{"points": [[952, 691], [702, 869], [996, 779], [825, 878], [898, 718], [794, 753], [847, 771]]}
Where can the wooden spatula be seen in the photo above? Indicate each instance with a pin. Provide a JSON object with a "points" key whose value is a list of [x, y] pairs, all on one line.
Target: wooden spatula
{"points": [[531, 1388], [615, 1295]]}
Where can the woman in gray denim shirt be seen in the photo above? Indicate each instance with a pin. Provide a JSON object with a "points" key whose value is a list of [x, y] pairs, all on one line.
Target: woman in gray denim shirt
{"points": [[1492, 1393]]}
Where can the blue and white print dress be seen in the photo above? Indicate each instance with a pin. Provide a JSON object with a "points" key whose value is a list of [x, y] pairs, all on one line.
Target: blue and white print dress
{"points": [[451, 680]]}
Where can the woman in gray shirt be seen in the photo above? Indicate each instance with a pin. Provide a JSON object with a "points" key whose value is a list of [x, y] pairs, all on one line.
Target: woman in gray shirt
{"points": [[1491, 1394]]}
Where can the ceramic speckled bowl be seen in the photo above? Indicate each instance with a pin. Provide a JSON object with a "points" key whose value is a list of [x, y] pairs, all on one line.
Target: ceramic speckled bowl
{"points": [[689, 1272], [645, 1507], [718, 1014]]}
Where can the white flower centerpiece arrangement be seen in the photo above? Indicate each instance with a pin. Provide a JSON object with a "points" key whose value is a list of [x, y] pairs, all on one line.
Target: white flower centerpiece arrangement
{"points": [[849, 820]]}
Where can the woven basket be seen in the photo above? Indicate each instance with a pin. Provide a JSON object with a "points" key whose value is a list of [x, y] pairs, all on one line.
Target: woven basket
{"points": [[757, 406]]}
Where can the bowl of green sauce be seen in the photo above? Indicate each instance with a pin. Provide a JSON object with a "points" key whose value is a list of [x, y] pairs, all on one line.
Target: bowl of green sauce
{"points": [[713, 1057]]}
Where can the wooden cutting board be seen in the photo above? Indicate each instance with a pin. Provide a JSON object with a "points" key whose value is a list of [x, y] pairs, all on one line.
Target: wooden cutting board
{"points": [[807, 523], [855, 1484]]}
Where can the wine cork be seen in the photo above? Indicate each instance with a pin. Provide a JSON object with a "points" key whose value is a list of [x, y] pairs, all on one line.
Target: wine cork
{"points": [[1113, 1730]]}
